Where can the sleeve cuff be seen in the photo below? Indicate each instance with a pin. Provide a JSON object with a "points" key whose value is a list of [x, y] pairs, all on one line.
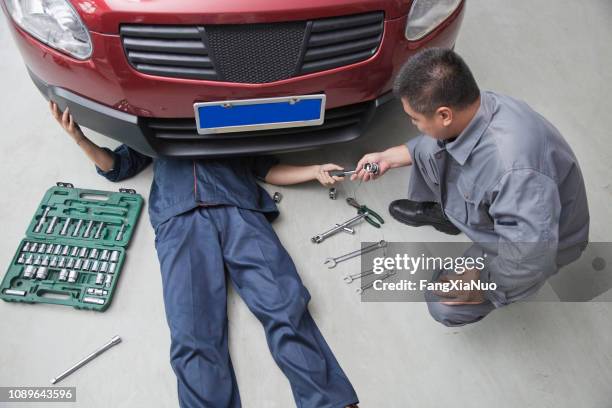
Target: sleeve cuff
{"points": [[497, 297], [411, 144], [113, 173]]}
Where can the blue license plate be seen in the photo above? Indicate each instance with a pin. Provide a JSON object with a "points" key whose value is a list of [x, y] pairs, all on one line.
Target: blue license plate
{"points": [[258, 114]]}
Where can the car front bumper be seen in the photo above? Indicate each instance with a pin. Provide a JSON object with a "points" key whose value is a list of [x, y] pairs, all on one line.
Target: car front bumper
{"points": [[178, 138]]}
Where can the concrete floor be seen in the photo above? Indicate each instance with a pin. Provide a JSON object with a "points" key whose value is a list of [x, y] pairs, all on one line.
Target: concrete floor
{"points": [[554, 54]]}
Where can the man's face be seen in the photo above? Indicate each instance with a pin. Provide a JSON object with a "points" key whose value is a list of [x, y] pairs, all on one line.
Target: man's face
{"points": [[437, 125]]}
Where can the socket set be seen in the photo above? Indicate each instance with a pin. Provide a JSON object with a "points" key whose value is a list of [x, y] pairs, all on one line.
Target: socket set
{"points": [[74, 248]]}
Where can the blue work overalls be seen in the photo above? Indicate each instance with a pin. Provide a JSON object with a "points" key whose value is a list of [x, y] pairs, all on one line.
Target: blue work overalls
{"points": [[211, 217]]}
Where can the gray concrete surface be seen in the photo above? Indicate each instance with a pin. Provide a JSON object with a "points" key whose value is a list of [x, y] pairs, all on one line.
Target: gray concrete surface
{"points": [[554, 54]]}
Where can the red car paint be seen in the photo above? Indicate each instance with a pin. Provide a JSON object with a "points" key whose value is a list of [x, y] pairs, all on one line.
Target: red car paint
{"points": [[108, 79]]}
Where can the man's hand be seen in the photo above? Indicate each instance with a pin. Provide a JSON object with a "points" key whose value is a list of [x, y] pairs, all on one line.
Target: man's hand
{"points": [[67, 122], [462, 297], [322, 174], [391, 158]]}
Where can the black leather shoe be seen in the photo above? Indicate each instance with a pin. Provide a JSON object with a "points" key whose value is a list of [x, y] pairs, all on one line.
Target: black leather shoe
{"points": [[415, 213]]}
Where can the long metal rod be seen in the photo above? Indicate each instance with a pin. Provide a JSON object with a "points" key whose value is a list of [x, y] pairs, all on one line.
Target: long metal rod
{"points": [[114, 341]]}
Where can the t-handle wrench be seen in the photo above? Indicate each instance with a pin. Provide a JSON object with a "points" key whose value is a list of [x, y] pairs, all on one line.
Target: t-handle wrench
{"points": [[332, 262]]}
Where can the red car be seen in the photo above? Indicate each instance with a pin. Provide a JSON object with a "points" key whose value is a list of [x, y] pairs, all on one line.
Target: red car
{"points": [[225, 77]]}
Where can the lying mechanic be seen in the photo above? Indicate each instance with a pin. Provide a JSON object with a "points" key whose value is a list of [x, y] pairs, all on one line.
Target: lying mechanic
{"points": [[211, 216], [491, 167]]}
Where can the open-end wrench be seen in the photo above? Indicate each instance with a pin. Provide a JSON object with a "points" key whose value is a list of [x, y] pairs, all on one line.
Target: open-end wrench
{"points": [[332, 262], [355, 276], [369, 285]]}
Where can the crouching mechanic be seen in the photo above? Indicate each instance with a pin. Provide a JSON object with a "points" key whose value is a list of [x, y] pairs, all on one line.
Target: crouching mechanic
{"points": [[211, 216], [491, 167]]}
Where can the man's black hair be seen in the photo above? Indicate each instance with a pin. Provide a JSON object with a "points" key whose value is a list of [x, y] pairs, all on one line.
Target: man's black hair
{"points": [[436, 77]]}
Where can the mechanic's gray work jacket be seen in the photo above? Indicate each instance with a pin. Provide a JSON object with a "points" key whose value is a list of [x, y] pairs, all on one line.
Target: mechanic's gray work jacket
{"points": [[509, 180]]}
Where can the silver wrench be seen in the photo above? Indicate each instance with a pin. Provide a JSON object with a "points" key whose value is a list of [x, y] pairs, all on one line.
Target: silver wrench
{"points": [[355, 276], [332, 262], [369, 285], [317, 239]]}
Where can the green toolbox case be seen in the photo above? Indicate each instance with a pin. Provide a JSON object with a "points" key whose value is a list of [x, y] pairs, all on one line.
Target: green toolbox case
{"points": [[77, 264]]}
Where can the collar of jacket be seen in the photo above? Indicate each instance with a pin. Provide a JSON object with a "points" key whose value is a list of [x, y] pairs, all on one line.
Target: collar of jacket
{"points": [[462, 147]]}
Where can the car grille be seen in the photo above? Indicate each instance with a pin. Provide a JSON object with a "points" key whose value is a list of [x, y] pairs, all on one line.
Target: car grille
{"points": [[252, 53]]}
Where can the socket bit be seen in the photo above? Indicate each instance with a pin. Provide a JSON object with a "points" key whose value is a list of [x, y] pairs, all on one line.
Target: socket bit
{"points": [[21, 258], [28, 272], [65, 250], [53, 262], [99, 231], [75, 233], [93, 253], [57, 250], [42, 272], [94, 266], [112, 267], [75, 251], [34, 247], [119, 236], [45, 261], [66, 226], [42, 220], [70, 263], [104, 255], [72, 276], [88, 229], [63, 275], [77, 264], [51, 226], [83, 252], [26, 247], [50, 248], [42, 248], [99, 278], [114, 256], [86, 264]]}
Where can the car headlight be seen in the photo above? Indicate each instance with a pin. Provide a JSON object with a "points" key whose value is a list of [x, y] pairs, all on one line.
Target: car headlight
{"points": [[55, 23], [425, 15]]}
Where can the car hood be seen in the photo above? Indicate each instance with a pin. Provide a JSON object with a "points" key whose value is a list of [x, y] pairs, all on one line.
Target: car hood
{"points": [[105, 16]]}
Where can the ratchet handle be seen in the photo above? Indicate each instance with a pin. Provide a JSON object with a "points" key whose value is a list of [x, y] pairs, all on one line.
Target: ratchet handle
{"points": [[337, 173]]}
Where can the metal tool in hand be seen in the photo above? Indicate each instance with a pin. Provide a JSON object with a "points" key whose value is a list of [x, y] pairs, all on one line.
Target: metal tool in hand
{"points": [[369, 285], [363, 212], [332, 262], [114, 341], [372, 168]]}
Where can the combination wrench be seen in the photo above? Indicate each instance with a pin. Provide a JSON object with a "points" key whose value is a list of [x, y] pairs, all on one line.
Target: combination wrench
{"points": [[332, 262]]}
